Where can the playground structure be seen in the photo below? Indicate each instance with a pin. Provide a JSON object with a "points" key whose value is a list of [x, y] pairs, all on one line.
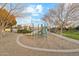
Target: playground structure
{"points": [[39, 30]]}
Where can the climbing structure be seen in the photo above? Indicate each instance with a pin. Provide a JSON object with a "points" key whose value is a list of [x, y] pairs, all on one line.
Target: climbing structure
{"points": [[39, 30]]}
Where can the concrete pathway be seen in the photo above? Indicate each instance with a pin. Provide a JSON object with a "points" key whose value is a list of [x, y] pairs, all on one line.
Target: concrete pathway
{"points": [[65, 38], [9, 47], [53, 49]]}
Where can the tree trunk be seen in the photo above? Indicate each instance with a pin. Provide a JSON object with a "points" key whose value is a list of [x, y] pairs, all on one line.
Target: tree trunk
{"points": [[2, 33], [61, 30]]}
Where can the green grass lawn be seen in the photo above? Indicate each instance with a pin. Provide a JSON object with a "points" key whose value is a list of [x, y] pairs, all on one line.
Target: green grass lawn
{"points": [[72, 34]]}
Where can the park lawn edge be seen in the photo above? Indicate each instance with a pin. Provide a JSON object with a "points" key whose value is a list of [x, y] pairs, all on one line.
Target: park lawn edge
{"points": [[73, 35]]}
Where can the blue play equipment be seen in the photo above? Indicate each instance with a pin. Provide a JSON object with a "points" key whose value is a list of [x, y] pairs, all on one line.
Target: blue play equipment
{"points": [[41, 29]]}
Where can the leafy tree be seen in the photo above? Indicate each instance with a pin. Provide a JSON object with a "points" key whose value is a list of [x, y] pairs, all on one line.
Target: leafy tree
{"points": [[9, 13], [6, 21]]}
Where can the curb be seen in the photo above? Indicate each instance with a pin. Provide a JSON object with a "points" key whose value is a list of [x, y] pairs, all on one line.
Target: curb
{"points": [[44, 49], [66, 38]]}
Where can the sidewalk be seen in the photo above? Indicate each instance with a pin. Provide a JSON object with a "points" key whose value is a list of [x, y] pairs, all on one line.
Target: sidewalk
{"points": [[65, 38]]}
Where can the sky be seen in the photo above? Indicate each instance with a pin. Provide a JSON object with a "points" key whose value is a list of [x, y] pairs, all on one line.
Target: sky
{"points": [[35, 12]]}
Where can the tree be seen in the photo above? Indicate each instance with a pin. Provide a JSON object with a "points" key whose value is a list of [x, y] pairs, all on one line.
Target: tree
{"points": [[9, 13], [63, 14]]}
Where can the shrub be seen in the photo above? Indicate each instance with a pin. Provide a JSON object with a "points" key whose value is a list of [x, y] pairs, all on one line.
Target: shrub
{"points": [[77, 28], [24, 31]]}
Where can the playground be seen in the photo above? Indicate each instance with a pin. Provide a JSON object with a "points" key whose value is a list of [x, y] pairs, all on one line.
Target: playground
{"points": [[38, 42], [40, 29], [41, 39], [51, 43], [18, 44]]}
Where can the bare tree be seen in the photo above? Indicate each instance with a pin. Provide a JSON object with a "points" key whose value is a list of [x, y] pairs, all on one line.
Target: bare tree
{"points": [[63, 14]]}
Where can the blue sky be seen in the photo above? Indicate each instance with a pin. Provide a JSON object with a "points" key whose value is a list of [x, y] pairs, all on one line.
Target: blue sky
{"points": [[35, 12]]}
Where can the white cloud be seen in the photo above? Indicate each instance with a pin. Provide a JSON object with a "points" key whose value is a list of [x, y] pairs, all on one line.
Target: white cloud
{"points": [[28, 10], [39, 8], [23, 21], [35, 10], [35, 14], [29, 17]]}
